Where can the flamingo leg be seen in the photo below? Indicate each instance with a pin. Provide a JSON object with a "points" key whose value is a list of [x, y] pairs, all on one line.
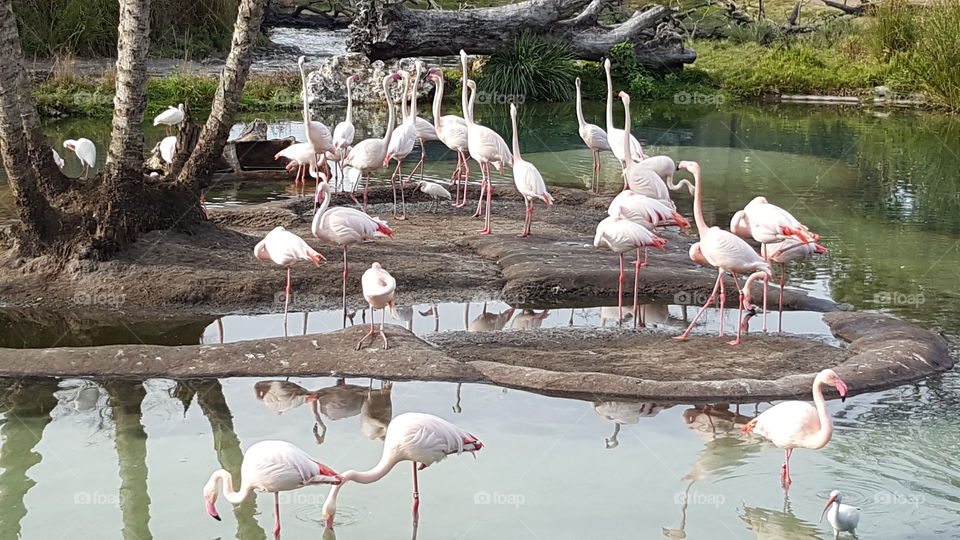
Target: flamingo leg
{"points": [[636, 290], [456, 176], [276, 513], [393, 184], [595, 180], [785, 469], [484, 184], [286, 302], [723, 297], [620, 293], [713, 296], [528, 214], [373, 330], [741, 300], [344, 292], [783, 282], [365, 186], [383, 318], [486, 220], [416, 494], [466, 180]]}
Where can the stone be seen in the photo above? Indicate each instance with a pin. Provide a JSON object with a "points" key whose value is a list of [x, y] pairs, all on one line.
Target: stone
{"points": [[327, 82]]}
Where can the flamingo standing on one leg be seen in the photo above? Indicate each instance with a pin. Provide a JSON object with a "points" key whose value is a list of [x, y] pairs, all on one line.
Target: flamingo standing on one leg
{"points": [[416, 437], [425, 130], [344, 226], [842, 517], [527, 178], [594, 137], [368, 155], [452, 131], [614, 135], [622, 235], [401, 144], [797, 424], [285, 248], [379, 289], [271, 467], [485, 145], [784, 252], [726, 252]]}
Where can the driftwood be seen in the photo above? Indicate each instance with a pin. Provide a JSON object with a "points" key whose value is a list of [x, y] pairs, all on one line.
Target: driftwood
{"points": [[858, 10], [388, 29]]}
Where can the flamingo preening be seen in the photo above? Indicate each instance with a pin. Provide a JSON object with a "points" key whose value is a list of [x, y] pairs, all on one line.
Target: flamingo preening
{"points": [[270, 467], [797, 424], [368, 155], [594, 137], [301, 156], [841, 517], [86, 152], [379, 289], [416, 437], [452, 131], [284, 248], [785, 252], [527, 178]]}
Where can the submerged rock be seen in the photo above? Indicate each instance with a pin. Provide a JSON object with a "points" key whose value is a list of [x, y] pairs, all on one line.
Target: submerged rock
{"points": [[327, 82]]}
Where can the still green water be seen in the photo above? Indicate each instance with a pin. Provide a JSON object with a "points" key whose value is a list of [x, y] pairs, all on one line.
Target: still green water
{"points": [[128, 459]]}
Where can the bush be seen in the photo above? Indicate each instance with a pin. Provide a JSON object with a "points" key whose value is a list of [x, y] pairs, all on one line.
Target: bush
{"points": [[533, 68], [894, 28], [935, 53], [757, 32]]}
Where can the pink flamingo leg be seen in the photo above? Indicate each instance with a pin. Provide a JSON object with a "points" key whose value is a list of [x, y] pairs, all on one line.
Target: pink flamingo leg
{"points": [[365, 186], [783, 282], [785, 469], [466, 180], [713, 296], [276, 512], [383, 318], [373, 330], [723, 297], [636, 289], [286, 302], [741, 300], [456, 177], [486, 220], [620, 293], [344, 291], [416, 495], [484, 185], [528, 215]]}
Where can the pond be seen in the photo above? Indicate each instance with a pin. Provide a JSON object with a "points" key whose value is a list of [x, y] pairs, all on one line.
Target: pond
{"points": [[127, 459]]}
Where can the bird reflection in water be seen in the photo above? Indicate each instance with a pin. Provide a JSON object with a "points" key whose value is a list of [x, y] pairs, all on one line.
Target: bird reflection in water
{"points": [[402, 314], [435, 313], [486, 322], [625, 412], [377, 411], [777, 524], [649, 315], [281, 396], [529, 319]]}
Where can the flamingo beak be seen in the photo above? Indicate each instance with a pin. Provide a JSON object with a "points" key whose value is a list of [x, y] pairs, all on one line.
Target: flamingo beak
{"points": [[842, 390], [830, 501], [212, 510], [330, 523]]}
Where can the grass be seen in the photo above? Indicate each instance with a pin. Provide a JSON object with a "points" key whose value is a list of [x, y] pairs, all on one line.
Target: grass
{"points": [[532, 68]]}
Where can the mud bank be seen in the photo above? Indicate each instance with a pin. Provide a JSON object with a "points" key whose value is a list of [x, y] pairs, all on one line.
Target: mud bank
{"points": [[883, 352]]}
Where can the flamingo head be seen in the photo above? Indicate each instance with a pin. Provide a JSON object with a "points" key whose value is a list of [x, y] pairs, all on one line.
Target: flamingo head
{"points": [[691, 166], [210, 497], [696, 255], [301, 61], [828, 376], [817, 248], [260, 251], [606, 64], [387, 158], [835, 497], [577, 82], [70, 145], [625, 97]]}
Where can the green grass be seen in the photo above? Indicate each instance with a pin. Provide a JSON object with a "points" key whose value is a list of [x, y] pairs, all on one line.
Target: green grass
{"points": [[532, 68]]}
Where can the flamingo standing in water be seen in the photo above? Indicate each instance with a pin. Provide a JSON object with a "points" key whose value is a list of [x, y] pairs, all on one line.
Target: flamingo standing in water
{"points": [[416, 437], [527, 178], [594, 137], [301, 156], [344, 226], [401, 144], [784, 252], [485, 145], [842, 517], [86, 152], [726, 252], [379, 288], [285, 248], [271, 467], [622, 235], [452, 131], [368, 155], [614, 135], [797, 424]]}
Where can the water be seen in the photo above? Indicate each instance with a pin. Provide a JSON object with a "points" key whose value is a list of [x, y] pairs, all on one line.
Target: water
{"points": [[124, 459]]}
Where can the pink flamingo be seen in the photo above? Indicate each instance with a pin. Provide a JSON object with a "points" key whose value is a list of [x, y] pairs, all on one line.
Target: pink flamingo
{"points": [[665, 168], [317, 133], [400, 146], [643, 210], [271, 467], [285, 248], [368, 155], [417, 437], [301, 156], [797, 424], [344, 132], [622, 235], [614, 135], [344, 226], [727, 253], [527, 178], [452, 131], [379, 288], [594, 137], [784, 252], [425, 130]]}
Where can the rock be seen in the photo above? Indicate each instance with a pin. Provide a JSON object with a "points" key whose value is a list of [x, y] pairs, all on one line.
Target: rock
{"points": [[327, 82]]}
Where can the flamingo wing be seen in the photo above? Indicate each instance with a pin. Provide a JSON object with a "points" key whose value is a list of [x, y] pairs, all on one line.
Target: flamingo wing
{"points": [[725, 250], [788, 424], [529, 181], [343, 134], [645, 181], [425, 130], [367, 155], [594, 137]]}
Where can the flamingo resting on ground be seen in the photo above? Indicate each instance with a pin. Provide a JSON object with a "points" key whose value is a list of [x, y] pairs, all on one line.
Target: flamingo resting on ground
{"points": [[726, 252], [527, 178], [379, 288], [622, 235], [416, 437], [368, 155], [86, 152], [271, 467], [344, 226], [842, 517], [452, 131], [784, 252], [170, 117], [594, 137], [797, 424], [284, 248]]}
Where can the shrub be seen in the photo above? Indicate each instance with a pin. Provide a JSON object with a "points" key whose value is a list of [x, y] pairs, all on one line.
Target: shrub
{"points": [[757, 32], [533, 68], [935, 54], [894, 28]]}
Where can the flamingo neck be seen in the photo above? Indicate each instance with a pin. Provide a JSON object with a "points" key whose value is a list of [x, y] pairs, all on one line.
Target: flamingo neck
{"points": [[387, 461], [413, 97], [315, 226], [753, 277], [404, 111], [702, 227], [516, 136], [437, 98], [580, 121], [390, 114], [465, 76], [609, 98], [224, 479], [822, 436], [350, 100], [306, 105], [473, 98], [626, 135]]}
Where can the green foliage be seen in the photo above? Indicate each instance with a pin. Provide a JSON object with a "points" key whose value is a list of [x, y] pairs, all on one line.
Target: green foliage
{"points": [[760, 32], [532, 68], [935, 53], [894, 29], [642, 85], [623, 61]]}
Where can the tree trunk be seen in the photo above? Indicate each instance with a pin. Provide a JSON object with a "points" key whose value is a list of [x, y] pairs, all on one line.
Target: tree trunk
{"points": [[214, 135], [125, 155], [388, 29]]}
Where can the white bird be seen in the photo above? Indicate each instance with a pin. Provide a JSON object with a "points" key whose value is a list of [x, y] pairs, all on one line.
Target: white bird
{"points": [[621, 235], [401, 144], [485, 145], [452, 131], [57, 159], [86, 152], [435, 191], [284, 248], [318, 134], [614, 135], [416, 437], [168, 148], [527, 178], [271, 467], [344, 226], [344, 132], [594, 137], [647, 211], [425, 130], [368, 155], [379, 289], [170, 117], [665, 167], [303, 157], [842, 517], [639, 179]]}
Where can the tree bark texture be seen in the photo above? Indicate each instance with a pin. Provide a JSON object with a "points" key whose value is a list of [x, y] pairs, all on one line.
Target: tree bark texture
{"points": [[125, 154]]}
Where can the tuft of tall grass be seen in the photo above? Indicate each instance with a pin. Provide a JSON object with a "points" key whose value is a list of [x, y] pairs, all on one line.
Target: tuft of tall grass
{"points": [[935, 53], [532, 68], [894, 28]]}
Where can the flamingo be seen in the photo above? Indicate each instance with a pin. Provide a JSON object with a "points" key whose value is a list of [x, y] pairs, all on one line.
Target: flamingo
{"points": [[272, 467], [284, 248], [452, 131], [622, 235], [665, 168], [527, 178], [170, 117], [797, 424], [614, 135], [401, 144], [301, 156], [168, 147], [57, 159], [485, 145], [379, 288], [646, 211], [86, 152], [594, 137], [317, 133], [842, 517], [416, 437], [435, 191], [784, 252], [344, 131], [425, 130], [726, 252], [368, 155], [344, 226]]}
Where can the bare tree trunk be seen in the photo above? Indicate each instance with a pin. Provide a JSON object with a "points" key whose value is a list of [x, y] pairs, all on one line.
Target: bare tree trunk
{"points": [[125, 155], [227, 99]]}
